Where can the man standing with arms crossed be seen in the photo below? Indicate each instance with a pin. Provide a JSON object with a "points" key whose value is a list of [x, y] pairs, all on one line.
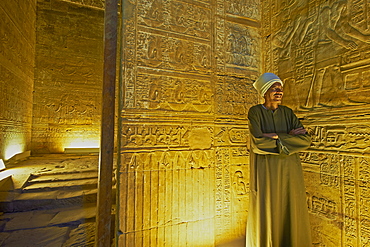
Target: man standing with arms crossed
{"points": [[278, 215]]}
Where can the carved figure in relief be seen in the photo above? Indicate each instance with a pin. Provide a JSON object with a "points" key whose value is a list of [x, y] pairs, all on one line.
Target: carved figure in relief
{"points": [[151, 13], [330, 29], [291, 31], [278, 214], [336, 26], [240, 47], [181, 55], [150, 50], [154, 95], [190, 20], [246, 8]]}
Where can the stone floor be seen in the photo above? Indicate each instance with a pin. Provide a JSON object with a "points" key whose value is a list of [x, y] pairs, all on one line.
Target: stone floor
{"points": [[49, 200]]}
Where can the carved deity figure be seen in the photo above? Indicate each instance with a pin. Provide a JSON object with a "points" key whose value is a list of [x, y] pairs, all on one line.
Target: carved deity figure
{"points": [[335, 24]]}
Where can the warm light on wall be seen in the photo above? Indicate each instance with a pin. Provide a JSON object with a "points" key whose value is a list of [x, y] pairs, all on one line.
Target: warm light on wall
{"points": [[14, 148], [82, 143], [2, 165]]}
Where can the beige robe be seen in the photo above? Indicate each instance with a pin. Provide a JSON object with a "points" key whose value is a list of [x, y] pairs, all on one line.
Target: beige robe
{"points": [[277, 215]]}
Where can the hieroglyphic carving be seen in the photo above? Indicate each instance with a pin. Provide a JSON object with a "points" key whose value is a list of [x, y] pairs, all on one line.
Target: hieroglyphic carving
{"points": [[351, 205], [364, 209], [129, 74], [170, 53], [219, 193], [314, 49], [330, 171], [233, 96], [190, 19], [320, 49], [189, 56], [150, 50], [223, 198], [232, 190], [166, 136], [226, 136], [177, 94], [72, 109], [240, 183], [245, 8], [176, 16], [349, 201], [322, 206], [357, 85], [241, 46], [355, 138], [226, 191], [68, 70], [93, 3], [174, 54]]}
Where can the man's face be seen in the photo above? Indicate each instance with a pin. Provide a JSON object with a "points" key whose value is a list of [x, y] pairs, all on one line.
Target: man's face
{"points": [[274, 94]]}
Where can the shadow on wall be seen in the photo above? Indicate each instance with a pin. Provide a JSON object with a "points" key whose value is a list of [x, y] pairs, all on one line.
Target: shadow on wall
{"points": [[239, 242]]}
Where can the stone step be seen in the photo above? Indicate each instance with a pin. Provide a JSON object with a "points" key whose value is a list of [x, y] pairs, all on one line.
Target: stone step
{"points": [[53, 190], [47, 199], [71, 226], [81, 184], [55, 184], [47, 181], [61, 176], [47, 217], [42, 199]]}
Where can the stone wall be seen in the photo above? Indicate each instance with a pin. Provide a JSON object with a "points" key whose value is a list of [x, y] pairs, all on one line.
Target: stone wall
{"points": [[68, 75], [321, 50], [186, 88], [17, 51]]}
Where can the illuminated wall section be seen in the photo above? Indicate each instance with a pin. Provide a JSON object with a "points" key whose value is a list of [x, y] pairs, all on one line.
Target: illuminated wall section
{"points": [[17, 51], [186, 87], [321, 50], [68, 75]]}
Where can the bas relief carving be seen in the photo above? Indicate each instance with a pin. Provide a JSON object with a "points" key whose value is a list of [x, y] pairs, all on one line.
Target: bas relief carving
{"points": [[72, 109], [167, 136], [187, 77], [175, 54], [353, 138], [241, 46], [179, 17], [337, 195], [315, 47], [93, 3], [234, 96], [171, 93], [244, 8], [321, 50]]}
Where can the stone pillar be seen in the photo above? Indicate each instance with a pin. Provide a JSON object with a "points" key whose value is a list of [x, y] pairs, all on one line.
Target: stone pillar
{"points": [[104, 218], [188, 69]]}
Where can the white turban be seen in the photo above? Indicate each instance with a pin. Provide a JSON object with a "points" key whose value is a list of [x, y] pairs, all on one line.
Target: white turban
{"points": [[265, 81]]}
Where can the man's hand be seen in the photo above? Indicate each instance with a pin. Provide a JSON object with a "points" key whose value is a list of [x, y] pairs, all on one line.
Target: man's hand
{"points": [[271, 135], [299, 131]]}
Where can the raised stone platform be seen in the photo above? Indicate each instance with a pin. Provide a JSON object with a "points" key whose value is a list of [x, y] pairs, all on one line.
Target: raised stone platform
{"points": [[49, 200]]}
